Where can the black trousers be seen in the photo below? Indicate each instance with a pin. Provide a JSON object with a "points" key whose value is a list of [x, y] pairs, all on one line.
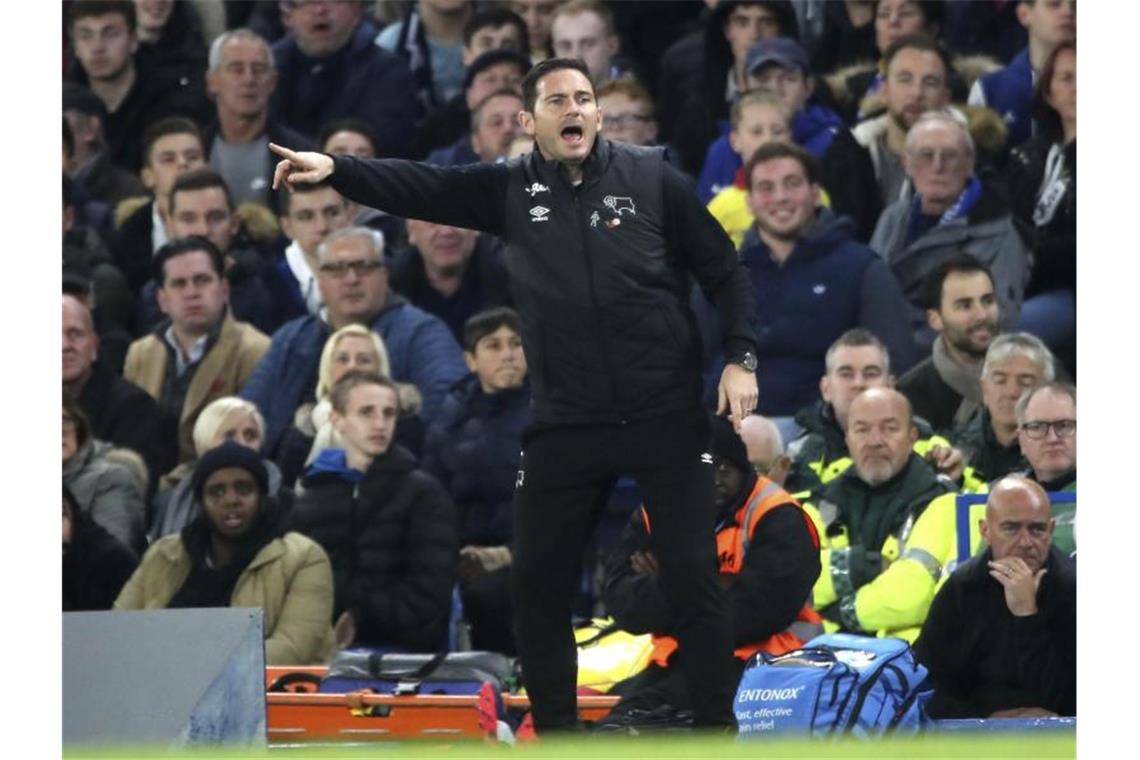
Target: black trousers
{"points": [[487, 607], [566, 474]]}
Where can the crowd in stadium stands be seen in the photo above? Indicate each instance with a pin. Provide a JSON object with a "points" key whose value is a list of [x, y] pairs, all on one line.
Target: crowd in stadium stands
{"points": [[285, 400]]}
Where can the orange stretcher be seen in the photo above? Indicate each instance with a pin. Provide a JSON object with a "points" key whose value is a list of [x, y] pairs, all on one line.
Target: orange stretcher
{"points": [[300, 714]]}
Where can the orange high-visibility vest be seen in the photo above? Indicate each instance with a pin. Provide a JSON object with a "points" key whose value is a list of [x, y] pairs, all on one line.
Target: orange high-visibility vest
{"points": [[731, 546]]}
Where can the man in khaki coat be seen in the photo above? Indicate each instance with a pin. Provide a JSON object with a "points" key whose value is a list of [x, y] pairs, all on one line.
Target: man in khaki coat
{"points": [[200, 352]]}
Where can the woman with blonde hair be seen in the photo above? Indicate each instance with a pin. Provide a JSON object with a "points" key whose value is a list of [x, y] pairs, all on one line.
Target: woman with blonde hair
{"points": [[351, 347], [225, 419]]}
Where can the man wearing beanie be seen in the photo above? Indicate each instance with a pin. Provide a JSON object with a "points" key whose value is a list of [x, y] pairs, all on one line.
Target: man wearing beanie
{"points": [[768, 551], [236, 554]]}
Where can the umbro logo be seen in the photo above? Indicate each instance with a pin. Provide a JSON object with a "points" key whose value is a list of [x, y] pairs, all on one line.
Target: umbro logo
{"points": [[706, 458], [539, 214]]}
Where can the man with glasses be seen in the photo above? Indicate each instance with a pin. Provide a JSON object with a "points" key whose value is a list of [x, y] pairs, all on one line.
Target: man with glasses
{"points": [[1000, 639], [951, 212], [628, 111], [309, 214], [353, 282], [1047, 433], [863, 168]]}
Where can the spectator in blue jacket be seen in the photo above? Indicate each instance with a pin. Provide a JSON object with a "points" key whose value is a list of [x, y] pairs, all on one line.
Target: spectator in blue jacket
{"points": [[353, 282], [328, 67], [813, 282], [1009, 91], [779, 66], [473, 450]]}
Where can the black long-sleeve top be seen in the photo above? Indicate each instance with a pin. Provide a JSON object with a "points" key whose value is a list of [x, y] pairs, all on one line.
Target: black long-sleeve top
{"points": [[982, 658]]}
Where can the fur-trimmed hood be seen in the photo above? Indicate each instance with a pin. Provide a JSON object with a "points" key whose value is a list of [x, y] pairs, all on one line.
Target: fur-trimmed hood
{"points": [[986, 127]]}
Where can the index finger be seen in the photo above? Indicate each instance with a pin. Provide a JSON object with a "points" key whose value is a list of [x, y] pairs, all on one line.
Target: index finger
{"points": [[283, 151]]}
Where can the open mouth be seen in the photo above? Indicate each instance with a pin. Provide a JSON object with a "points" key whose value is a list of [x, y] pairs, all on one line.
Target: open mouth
{"points": [[572, 134]]}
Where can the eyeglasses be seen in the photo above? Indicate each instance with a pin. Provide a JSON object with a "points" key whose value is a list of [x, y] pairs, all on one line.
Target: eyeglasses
{"points": [[926, 157], [1040, 429], [360, 267], [626, 120]]}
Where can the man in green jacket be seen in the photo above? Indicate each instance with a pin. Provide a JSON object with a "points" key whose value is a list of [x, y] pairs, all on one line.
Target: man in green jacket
{"points": [[856, 361], [874, 578]]}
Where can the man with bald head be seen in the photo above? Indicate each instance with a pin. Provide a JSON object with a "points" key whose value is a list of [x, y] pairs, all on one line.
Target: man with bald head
{"points": [[876, 579], [765, 448], [856, 361], [1000, 640], [119, 412], [951, 213]]}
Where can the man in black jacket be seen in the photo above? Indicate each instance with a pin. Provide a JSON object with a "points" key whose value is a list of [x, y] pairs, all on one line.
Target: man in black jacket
{"points": [[119, 411], [1001, 637], [602, 238], [450, 272]]}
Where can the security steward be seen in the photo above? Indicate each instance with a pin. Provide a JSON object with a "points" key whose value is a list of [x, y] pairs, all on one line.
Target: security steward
{"points": [[856, 361], [879, 572], [768, 551], [602, 240]]}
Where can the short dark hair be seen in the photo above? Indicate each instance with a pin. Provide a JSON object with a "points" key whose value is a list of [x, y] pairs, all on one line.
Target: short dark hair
{"points": [[350, 124], [496, 17], [549, 66], [857, 337], [286, 193], [773, 150], [200, 179], [171, 125], [918, 41], [338, 394], [480, 325], [958, 263], [81, 9], [181, 246]]}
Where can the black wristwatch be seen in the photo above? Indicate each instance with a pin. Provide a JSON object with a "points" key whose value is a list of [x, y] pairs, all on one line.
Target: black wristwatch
{"points": [[746, 360]]}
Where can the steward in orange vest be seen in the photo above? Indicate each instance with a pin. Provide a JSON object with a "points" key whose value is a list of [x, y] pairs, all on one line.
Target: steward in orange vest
{"points": [[768, 551]]}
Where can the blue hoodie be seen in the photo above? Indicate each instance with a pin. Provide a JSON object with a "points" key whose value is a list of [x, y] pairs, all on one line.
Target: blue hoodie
{"points": [[813, 129], [334, 462], [829, 284]]}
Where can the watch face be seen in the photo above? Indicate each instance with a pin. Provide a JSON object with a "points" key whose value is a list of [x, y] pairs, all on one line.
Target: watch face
{"points": [[748, 361]]}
